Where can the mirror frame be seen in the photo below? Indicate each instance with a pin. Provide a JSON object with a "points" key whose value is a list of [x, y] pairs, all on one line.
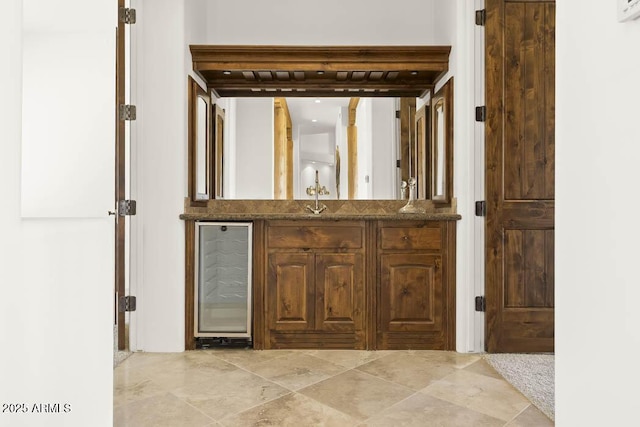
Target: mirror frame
{"points": [[217, 150], [443, 96], [196, 92], [270, 72]]}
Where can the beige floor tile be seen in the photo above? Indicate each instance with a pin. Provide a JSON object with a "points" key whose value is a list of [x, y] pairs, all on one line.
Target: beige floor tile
{"points": [[421, 410], [246, 358], [349, 358], [334, 387], [230, 393], [124, 393], [128, 376], [448, 358], [531, 417], [188, 369], [164, 410], [173, 377], [408, 370], [483, 368], [139, 360], [292, 410], [491, 396], [357, 394], [297, 370]]}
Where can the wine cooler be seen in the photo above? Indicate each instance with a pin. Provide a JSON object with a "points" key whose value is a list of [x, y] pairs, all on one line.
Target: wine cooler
{"points": [[223, 280]]}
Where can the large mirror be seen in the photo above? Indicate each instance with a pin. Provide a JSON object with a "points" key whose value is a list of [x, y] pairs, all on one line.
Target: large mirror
{"points": [[361, 147], [357, 118]]}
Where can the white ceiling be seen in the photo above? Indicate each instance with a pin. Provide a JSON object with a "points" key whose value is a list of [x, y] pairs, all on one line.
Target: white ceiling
{"points": [[304, 110]]}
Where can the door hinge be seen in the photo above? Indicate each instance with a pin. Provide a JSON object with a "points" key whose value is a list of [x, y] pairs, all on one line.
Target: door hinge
{"points": [[481, 304], [481, 114], [127, 15], [398, 163], [481, 208], [127, 112], [127, 303], [397, 114], [126, 207], [481, 17]]}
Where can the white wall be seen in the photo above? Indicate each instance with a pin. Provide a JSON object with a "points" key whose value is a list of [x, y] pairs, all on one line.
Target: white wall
{"points": [[597, 232], [364, 138], [162, 163], [330, 22], [56, 275], [312, 144], [254, 148], [383, 148], [454, 25]]}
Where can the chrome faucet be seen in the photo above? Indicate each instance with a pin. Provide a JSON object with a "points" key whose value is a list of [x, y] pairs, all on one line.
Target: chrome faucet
{"points": [[317, 190]]}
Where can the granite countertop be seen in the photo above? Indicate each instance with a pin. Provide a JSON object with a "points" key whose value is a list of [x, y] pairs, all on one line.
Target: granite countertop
{"points": [[328, 216], [336, 210]]}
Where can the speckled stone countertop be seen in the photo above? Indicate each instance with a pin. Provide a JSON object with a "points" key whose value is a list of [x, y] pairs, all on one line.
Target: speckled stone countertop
{"points": [[323, 216], [355, 210]]}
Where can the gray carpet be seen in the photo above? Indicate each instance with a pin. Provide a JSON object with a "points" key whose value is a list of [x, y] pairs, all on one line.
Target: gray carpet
{"points": [[532, 374]]}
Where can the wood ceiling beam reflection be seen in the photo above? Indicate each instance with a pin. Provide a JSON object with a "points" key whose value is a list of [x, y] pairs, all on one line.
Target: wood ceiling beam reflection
{"points": [[344, 67]]}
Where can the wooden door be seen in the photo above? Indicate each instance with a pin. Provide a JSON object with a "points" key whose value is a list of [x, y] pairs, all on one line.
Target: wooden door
{"points": [[340, 302], [520, 126], [290, 291]]}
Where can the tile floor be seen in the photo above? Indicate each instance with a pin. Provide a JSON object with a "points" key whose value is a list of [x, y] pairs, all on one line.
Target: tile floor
{"points": [[237, 387]]}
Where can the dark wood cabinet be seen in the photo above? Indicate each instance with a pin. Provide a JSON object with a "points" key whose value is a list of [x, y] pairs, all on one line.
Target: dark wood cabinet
{"points": [[348, 284], [414, 293], [315, 293]]}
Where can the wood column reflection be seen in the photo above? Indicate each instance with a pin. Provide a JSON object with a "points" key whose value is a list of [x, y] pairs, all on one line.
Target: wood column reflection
{"points": [[283, 151], [352, 149]]}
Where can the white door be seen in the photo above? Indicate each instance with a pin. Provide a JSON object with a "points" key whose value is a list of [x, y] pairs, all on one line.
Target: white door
{"points": [[67, 190]]}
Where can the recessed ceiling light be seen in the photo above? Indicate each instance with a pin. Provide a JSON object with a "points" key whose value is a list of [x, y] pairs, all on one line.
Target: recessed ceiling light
{"points": [[414, 73], [314, 120], [320, 72], [317, 101], [226, 73]]}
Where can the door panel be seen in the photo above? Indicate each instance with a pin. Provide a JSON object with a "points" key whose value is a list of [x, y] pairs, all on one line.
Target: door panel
{"points": [[527, 266], [520, 126], [529, 116], [290, 291], [340, 292], [411, 293]]}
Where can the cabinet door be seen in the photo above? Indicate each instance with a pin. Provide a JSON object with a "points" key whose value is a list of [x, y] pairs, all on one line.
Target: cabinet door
{"points": [[340, 292], [411, 293], [290, 291]]}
